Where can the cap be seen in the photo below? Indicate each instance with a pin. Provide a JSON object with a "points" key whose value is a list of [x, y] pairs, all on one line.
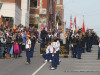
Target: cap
{"points": [[28, 35]]}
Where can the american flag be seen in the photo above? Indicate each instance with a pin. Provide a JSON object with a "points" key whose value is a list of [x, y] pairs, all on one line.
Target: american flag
{"points": [[75, 22], [45, 27], [55, 35], [71, 22]]}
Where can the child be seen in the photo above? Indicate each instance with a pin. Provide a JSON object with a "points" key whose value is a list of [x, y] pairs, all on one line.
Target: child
{"points": [[47, 56], [16, 49]]}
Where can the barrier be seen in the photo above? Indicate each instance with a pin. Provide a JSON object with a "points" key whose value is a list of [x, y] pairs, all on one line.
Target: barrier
{"points": [[64, 49]]}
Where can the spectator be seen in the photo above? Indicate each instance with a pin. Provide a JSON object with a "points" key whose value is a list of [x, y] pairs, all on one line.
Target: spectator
{"points": [[43, 35]]}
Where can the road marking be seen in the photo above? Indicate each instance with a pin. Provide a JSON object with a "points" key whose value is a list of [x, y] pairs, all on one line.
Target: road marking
{"points": [[86, 60], [89, 57], [88, 66], [39, 69], [87, 63]]}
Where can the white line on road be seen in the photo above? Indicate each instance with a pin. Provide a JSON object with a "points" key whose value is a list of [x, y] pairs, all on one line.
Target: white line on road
{"points": [[86, 60], [87, 63], [88, 66], [39, 69]]}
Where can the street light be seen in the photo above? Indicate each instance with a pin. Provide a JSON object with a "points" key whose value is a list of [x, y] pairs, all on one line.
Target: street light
{"points": [[38, 21], [1, 4]]}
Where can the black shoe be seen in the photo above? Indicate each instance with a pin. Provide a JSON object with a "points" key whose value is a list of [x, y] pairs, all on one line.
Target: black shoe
{"points": [[19, 56], [31, 57]]}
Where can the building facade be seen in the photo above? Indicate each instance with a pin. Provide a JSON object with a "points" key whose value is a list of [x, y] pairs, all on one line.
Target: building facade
{"points": [[16, 11], [48, 12], [60, 16]]}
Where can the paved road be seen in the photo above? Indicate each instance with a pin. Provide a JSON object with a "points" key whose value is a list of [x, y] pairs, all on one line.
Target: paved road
{"points": [[88, 65]]}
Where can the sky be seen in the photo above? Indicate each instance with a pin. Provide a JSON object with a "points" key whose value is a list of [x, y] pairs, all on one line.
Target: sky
{"points": [[89, 8]]}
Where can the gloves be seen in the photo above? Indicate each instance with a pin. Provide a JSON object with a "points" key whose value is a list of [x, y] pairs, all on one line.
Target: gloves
{"points": [[52, 55]]}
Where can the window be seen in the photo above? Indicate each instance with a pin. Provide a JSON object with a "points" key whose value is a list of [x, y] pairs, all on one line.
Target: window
{"points": [[58, 1], [33, 3]]}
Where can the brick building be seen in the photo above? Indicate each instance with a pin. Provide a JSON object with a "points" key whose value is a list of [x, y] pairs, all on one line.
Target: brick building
{"points": [[50, 11], [60, 10], [16, 11]]}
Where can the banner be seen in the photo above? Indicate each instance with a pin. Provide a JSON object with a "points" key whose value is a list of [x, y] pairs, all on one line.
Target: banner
{"points": [[64, 49]]}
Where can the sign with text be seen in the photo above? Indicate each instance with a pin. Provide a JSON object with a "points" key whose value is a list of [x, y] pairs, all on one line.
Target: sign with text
{"points": [[64, 49]]}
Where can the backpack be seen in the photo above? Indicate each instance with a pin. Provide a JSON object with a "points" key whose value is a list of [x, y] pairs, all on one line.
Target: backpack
{"points": [[16, 49]]}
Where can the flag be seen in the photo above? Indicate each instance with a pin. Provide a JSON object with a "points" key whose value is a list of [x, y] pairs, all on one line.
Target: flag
{"points": [[75, 22], [45, 27], [73, 28], [86, 29], [55, 35], [57, 25], [49, 25], [71, 22], [78, 23], [83, 28], [65, 27]]}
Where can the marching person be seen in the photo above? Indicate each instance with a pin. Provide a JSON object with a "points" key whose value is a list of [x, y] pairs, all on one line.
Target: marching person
{"points": [[80, 45], [54, 62], [28, 47], [48, 55], [99, 50], [89, 41], [95, 39], [84, 40], [74, 41]]}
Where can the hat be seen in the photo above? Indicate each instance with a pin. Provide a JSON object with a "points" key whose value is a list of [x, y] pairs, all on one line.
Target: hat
{"points": [[28, 35]]}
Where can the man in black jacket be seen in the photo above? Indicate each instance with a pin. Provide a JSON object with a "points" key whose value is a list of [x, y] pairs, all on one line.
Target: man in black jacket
{"points": [[33, 40], [89, 41], [19, 39], [43, 35]]}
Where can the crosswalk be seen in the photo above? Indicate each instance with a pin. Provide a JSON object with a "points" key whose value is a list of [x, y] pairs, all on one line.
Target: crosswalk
{"points": [[88, 62]]}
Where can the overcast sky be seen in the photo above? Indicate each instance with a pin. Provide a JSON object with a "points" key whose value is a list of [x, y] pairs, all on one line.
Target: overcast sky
{"points": [[89, 8]]}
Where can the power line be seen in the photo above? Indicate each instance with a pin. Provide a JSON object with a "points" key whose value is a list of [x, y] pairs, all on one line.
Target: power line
{"points": [[82, 14]]}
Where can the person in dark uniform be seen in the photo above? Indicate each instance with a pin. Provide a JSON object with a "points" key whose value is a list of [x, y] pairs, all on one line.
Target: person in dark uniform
{"points": [[74, 41], [89, 41], [67, 42], [95, 39], [84, 40], [92, 32], [79, 45]]}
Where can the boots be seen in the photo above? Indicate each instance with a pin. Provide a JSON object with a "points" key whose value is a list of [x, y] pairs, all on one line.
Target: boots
{"points": [[15, 56], [8, 56]]}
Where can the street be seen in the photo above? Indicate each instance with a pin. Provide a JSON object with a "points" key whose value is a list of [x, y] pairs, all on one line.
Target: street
{"points": [[88, 65]]}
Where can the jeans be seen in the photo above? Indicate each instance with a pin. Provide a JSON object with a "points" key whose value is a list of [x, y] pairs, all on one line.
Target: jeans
{"points": [[43, 40], [89, 47], [32, 51], [28, 55], [20, 48], [79, 52], [8, 50], [1, 52], [74, 52]]}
